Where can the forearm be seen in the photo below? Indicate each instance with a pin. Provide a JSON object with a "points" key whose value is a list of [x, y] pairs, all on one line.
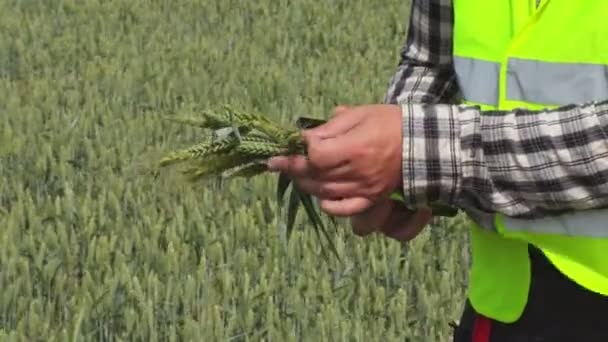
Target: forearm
{"points": [[519, 163]]}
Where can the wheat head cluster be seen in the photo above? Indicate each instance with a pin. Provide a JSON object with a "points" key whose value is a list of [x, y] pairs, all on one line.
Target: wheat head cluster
{"points": [[238, 145]]}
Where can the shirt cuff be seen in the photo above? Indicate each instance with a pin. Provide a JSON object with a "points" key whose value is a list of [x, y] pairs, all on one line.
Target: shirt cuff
{"points": [[431, 155]]}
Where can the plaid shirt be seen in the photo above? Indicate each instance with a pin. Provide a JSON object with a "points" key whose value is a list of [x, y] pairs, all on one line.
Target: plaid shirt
{"points": [[525, 164]]}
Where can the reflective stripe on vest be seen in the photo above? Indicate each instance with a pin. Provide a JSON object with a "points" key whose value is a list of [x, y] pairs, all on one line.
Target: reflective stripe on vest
{"points": [[509, 54], [478, 79], [584, 224], [532, 81], [590, 223]]}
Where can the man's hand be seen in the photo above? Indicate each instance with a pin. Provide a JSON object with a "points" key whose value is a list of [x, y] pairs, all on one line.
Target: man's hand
{"points": [[353, 159], [391, 219]]}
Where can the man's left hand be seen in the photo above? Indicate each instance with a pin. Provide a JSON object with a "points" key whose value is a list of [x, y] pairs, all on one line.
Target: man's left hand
{"points": [[353, 159]]}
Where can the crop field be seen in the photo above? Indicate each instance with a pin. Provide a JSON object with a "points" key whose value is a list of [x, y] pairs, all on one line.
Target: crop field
{"points": [[93, 248]]}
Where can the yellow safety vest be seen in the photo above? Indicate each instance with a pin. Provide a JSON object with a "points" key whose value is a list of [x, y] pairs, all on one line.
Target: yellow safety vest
{"points": [[509, 54]]}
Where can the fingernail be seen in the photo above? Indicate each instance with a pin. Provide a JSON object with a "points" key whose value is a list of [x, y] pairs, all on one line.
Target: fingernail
{"points": [[272, 165]]}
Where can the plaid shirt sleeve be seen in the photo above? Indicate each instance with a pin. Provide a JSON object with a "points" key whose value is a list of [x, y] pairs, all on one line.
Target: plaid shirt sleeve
{"points": [[425, 73], [521, 163]]}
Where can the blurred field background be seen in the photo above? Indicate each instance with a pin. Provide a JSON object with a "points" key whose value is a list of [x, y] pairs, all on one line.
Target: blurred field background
{"points": [[91, 248]]}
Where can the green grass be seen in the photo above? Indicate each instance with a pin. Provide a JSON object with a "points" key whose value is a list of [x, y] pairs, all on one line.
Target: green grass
{"points": [[91, 248]]}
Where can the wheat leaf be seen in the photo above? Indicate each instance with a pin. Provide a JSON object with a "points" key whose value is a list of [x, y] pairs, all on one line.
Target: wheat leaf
{"points": [[282, 186], [307, 123], [332, 219], [306, 200], [311, 213]]}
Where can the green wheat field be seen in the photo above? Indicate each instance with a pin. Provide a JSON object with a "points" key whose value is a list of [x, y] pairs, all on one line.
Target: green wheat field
{"points": [[93, 248]]}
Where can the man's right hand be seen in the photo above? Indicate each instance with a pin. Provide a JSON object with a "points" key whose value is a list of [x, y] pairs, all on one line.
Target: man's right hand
{"points": [[391, 219]]}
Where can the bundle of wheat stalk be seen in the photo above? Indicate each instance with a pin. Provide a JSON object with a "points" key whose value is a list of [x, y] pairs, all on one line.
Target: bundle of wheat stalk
{"points": [[239, 145]]}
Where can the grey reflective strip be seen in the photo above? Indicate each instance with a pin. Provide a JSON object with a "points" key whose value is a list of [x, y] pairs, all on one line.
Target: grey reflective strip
{"points": [[483, 219], [544, 83], [478, 79], [589, 223], [556, 83]]}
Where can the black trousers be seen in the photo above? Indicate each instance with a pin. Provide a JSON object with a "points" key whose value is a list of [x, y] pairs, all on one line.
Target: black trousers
{"points": [[558, 310]]}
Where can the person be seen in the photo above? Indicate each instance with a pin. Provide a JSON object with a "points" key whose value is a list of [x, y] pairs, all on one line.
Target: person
{"points": [[500, 109]]}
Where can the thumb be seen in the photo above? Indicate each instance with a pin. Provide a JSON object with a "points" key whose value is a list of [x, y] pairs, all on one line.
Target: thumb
{"points": [[340, 110], [346, 206], [337, 125], [406, 225]]}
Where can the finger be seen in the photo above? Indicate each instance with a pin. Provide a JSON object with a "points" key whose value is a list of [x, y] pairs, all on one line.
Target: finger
{"points": [[293, 166], [399, 219], [310, 186], [299, 166], [278, 164], [325, 154], [338, 125], [330, 190], [405, 230], [362, 230], [345, 207], [362, 227], [340, 172], [340, 110], [341, 189], [368, 221]]}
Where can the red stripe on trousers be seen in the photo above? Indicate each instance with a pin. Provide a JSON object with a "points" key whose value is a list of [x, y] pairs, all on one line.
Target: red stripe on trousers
{"points": [[481, 329]]}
